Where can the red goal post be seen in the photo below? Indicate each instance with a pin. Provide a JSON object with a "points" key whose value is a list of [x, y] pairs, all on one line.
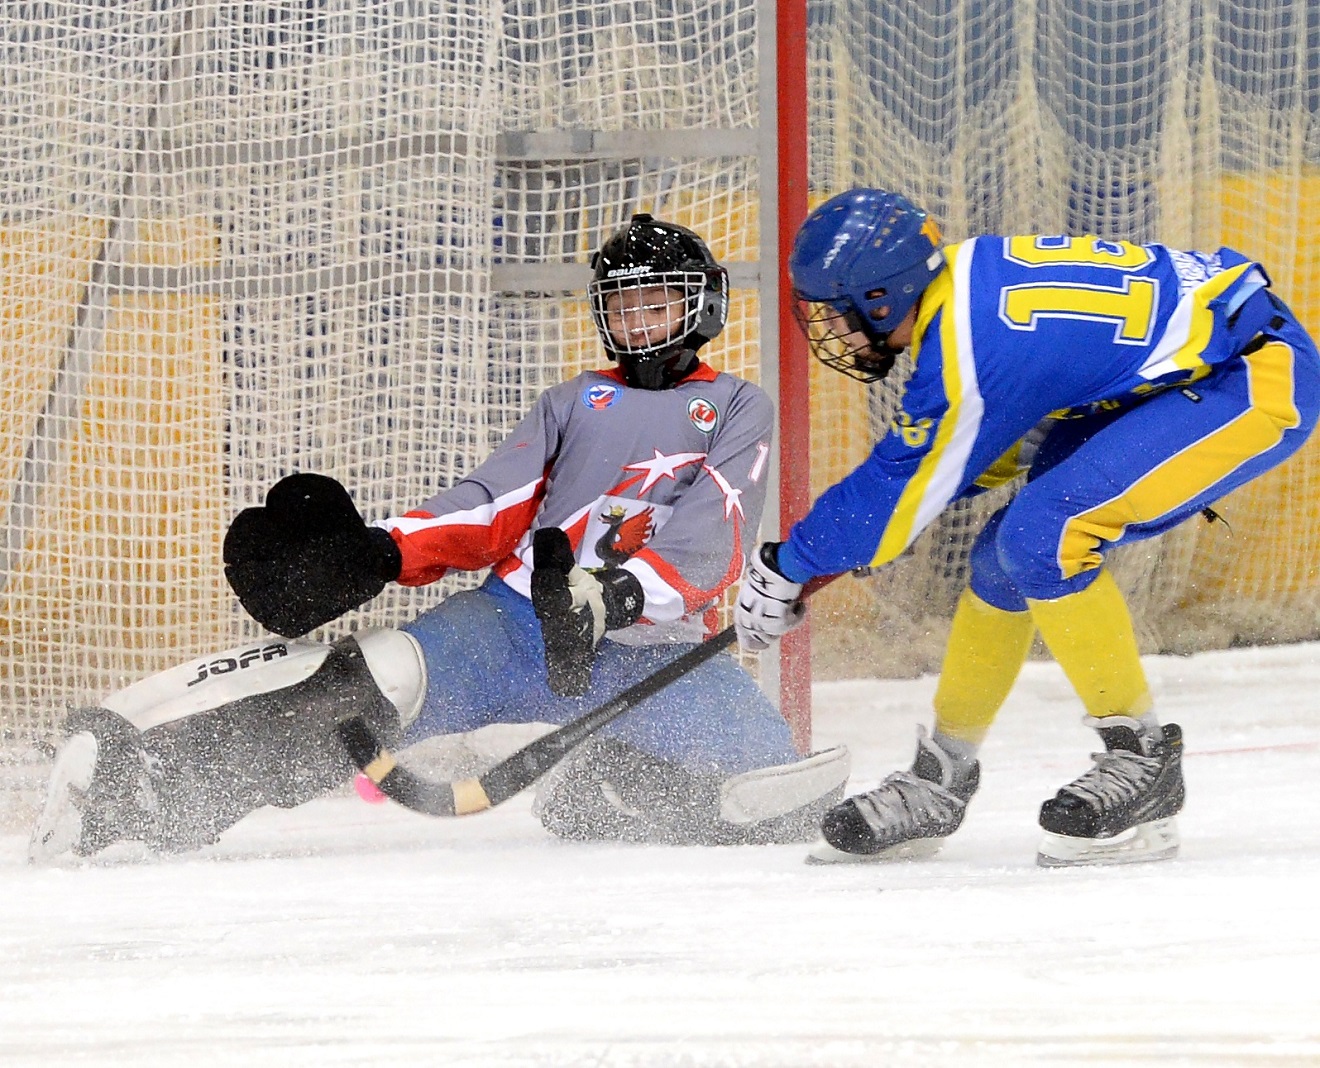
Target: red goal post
{"points": [[790, 206]]}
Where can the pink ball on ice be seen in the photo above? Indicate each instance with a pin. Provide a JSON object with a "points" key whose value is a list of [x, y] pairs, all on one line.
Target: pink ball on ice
{"points": [[368, 790]]}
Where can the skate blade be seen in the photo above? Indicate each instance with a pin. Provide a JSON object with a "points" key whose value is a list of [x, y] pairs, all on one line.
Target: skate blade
{"points": [[60, 824], [921, 849], [1156, 840]]}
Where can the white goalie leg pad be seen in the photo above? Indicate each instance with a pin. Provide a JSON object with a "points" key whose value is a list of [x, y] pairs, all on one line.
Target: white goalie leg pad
{"points": [[59, 826], [396, 664], [1156, 840], [766, 793], [216, 680]]}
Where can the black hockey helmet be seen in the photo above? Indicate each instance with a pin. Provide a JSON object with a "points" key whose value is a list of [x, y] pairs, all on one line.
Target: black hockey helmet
{"points": [[651, 267]]}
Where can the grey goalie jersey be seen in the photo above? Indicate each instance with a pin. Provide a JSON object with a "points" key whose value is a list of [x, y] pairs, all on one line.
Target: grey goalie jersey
{"points": [[668, 484]]}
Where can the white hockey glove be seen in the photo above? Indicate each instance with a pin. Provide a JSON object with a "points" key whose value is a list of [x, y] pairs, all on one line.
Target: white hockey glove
{"points": [[770, 605], [576, 607]]}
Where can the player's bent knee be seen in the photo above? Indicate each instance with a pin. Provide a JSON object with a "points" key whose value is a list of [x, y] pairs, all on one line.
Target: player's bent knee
{"points": [[1032, 565], [395, 661], [276, 747], [1042, 580], [989, 580]]}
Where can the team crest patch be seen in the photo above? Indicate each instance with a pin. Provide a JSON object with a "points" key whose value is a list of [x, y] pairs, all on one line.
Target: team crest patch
{"points": [[617, 527], [600, 396], [703, 414]]}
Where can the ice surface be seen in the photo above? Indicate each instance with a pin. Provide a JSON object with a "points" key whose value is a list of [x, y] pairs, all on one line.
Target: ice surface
{"points": [[346, 933]]}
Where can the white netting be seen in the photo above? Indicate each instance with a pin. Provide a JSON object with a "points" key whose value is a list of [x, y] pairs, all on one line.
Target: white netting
{"points": [[239, 239]]}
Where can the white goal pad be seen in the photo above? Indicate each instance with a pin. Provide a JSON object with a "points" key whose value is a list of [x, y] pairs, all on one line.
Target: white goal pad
{"points": [[766, 793]]}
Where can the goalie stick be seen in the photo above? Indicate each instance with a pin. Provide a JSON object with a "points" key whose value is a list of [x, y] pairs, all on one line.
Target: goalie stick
{"points": [[519, 770]]}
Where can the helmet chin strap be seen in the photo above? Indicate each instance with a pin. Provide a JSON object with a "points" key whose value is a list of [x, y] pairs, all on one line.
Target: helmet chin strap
{"points": [[890, 350]]}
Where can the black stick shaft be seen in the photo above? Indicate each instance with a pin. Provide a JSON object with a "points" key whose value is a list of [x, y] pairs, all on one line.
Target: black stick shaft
{"points": [[519, 770]]}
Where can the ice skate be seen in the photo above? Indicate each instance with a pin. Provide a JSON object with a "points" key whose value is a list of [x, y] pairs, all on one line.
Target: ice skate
{"points": [[99, 791], [906, 817], [1122, 810]]}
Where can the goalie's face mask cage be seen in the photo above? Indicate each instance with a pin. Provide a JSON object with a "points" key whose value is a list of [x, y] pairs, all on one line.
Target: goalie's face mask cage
{"points": [[641, 319], [859, 264], [656, 295]]}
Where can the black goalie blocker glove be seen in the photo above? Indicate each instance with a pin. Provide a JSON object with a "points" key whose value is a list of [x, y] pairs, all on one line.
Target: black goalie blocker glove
{"points": [[306, 557], [576, 607]]}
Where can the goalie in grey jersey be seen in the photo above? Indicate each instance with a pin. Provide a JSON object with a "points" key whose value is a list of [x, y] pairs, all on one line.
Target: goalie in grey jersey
{"points": [[645, 482]]}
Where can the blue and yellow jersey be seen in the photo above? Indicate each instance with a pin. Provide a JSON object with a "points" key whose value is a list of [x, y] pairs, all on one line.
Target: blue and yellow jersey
{"points": [[1014, 331]]}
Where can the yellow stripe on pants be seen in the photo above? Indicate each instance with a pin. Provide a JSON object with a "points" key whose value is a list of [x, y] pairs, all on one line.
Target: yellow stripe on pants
{"points": [[1194, 470]]}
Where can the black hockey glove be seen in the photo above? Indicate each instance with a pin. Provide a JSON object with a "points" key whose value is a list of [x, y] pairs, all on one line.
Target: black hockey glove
{"points": [[576, 607], [306, 557]]}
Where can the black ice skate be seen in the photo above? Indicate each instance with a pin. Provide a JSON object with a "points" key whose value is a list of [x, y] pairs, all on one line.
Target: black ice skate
{"points": [[99, 791], [1121, 811], [906, 817]]}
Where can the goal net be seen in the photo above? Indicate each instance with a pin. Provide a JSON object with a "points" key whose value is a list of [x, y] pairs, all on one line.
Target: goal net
{"points": [[243, 239]]}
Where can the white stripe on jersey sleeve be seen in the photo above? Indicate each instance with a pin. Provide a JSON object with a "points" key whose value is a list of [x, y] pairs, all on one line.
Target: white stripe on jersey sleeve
{"points": [[969, 405], [482, 515], [664, 604]]}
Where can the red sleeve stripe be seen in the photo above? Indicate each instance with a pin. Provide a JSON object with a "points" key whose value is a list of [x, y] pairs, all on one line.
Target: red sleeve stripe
{"points": [[516, 568], [468, 540]]}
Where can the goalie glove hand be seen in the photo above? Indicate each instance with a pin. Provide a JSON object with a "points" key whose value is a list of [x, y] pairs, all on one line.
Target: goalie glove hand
{"points": [[576, 607], [306, 557], [769, 605]]}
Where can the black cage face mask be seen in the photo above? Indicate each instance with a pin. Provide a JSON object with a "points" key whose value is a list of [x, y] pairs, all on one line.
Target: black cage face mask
{"points": [[841, 341], [656, 297]]}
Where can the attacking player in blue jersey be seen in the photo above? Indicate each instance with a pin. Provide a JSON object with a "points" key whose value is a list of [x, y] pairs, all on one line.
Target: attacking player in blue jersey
{"points": [[646, 479], [1134, 384]]}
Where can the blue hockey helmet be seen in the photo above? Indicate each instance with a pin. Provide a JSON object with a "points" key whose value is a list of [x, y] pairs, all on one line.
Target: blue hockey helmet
{"points": [[859, 263]]}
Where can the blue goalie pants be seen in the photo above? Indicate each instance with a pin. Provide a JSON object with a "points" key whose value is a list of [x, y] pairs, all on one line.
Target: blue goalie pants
{"points": [[485, 664]]}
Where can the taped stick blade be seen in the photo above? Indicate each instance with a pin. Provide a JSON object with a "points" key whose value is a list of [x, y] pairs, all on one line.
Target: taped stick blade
{"points": [[394, 780]]}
